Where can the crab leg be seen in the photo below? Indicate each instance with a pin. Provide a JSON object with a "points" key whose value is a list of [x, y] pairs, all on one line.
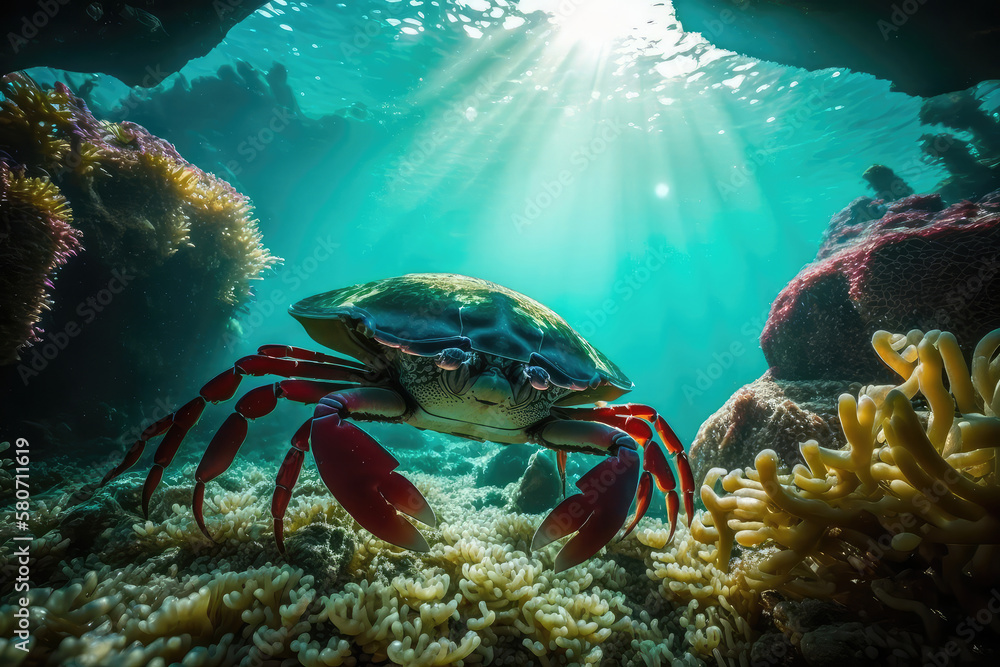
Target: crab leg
{"points": [[181, 422], [599, 512], [655, 468], [303, 363], [613, 414], [221, 451], [288, 475], [561, 459], [360, 472]]}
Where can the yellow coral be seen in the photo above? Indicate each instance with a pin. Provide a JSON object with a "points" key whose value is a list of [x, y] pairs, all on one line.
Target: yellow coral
{"points": [[899, 491]]}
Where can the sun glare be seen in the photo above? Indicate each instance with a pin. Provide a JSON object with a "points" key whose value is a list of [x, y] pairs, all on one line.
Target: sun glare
{"points": [[600, 24]]}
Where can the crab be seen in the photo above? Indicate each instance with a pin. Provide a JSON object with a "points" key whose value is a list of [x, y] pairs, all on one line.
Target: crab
{"points": [[451, 354]]}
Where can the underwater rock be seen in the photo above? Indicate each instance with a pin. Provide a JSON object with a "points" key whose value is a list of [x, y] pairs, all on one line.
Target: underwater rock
{"points": [[963, 112], [540, 486], [918, 266], [84, 523], [969, 175], [247, 125], [168, 254], [924, 48], [322, 551], [769, 414], [506, 465], [973, 166], [886, 184], [141, 44]]}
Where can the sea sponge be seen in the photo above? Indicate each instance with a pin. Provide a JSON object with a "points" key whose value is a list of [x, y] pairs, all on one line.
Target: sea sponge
{"points": [[36, 238], [899, 496], [919, 265]]}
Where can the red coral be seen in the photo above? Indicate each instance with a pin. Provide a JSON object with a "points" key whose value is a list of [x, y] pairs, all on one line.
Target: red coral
{"points": [[917, 266]]}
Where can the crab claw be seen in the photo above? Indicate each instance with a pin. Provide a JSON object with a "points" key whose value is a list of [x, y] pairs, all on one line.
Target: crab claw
{"points": [[596, 514], [359, 473]]}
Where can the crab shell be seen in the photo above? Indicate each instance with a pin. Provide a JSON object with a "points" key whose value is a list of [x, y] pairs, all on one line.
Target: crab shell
{"points": [[425, 313]]}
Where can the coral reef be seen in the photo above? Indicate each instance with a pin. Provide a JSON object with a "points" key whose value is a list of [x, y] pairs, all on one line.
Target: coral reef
{"points": [[769, 414], [920, 265], [158, 589], [136, 200], [36, 237], [904, 519], [166, 248], [139, 45]]}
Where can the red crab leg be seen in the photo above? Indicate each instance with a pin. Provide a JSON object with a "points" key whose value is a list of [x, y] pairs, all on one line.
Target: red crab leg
{"points": [[221, 451], [182, 421], [599, 512], [561, 458], [655, 468], [307, 355], [222, 387], [360, 473], [288, 475], [612, 413]]}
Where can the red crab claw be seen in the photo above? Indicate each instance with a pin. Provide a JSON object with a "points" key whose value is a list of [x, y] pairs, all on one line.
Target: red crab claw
{"points": [[597, 513], [359, 472]]}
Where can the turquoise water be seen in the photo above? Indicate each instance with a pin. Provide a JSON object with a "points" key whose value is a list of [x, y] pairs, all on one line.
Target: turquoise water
{"points": [[654, 190]]}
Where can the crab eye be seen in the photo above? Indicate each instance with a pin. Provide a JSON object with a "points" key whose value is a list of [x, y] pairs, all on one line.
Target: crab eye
{"points": [[457, 381], [538, 377], [450, 358]]}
